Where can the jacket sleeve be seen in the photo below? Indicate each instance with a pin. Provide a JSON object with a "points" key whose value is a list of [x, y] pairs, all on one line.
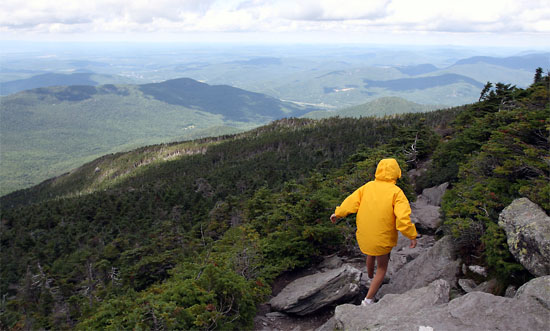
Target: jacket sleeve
{"points": [[402, 211], [350, 205]]}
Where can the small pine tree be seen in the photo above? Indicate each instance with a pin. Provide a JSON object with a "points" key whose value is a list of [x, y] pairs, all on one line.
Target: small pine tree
{"points": [[486, 89], [538, 75]]}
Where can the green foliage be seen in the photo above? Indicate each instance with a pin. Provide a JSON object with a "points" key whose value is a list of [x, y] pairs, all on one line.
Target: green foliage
{"points": [[498, 255], [500, 152], [195, 298]]}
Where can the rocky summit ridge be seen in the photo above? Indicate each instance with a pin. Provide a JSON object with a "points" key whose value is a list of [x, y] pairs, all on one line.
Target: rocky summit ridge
{"points": [[427, 288]]}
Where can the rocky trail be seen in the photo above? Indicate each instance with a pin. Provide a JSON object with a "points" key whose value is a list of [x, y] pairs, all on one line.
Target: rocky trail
{"points": [[426, 288]]}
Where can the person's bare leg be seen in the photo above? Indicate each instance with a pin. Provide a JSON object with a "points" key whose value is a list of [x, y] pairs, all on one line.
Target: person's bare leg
{"points": [[381, 268], [370, 265]]}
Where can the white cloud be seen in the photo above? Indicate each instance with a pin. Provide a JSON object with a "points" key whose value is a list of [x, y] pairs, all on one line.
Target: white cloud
{"points": [[43, 17]]}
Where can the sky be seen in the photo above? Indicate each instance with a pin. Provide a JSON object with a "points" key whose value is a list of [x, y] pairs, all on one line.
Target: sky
{"points": [[512, 23]]}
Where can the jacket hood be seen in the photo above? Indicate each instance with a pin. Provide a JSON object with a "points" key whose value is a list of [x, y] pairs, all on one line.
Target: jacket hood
{"points": [[388, 170]]}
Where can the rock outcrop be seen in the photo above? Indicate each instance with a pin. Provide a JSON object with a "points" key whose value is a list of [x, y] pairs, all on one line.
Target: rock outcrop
{"points": [[438, 262], [425, 210], [433, 195], [311, 293], [402, 254], [528, 235], [426, 217], [427, 309]]}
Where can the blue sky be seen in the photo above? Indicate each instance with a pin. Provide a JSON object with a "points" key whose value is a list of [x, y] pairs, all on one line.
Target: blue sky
{"points": [[458, 22]]}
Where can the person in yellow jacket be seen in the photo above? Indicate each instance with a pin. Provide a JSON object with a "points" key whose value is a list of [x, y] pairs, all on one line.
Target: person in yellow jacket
{"points": [[382, 210]]}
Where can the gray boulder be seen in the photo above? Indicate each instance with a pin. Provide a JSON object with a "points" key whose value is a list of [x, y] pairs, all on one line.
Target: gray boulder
{"points": [[330, 262], [425, 212], [426, 309], [468, 285], [528, 235], [311, 293], [438, 262], [434, 194], [537, 289], [484, 311], [425, 216], [329, 325]]}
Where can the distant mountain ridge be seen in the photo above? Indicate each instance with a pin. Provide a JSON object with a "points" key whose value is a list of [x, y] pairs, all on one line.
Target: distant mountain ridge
{"points": [[415, 70], [421, 83], [304, 80], [45, 80], [57, 79], [49, 130], [527, 62]]}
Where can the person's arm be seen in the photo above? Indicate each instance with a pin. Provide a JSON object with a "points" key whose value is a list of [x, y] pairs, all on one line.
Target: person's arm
{"points": [[350, 205], [402, 211]]}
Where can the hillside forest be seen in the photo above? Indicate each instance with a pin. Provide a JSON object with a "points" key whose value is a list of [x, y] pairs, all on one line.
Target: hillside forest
{"points": [[191, 235]]}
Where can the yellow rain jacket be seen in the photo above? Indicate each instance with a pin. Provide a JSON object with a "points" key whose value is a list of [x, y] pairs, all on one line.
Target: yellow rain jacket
{"points": [[382, 210]]}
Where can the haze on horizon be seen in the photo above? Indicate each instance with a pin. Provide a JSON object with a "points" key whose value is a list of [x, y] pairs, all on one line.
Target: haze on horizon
{"points": [[493, 23]]}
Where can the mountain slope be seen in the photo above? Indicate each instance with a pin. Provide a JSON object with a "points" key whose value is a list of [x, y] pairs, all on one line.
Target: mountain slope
{"points": [[153, 223], [233, 103], [379, 107], [192, 235], [48, 131]]}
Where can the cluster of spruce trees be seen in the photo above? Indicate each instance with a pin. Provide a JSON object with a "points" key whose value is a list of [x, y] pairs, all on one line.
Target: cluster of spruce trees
{"points": [[195, 242]]}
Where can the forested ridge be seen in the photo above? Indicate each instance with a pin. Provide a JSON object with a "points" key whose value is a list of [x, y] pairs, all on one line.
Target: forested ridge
{"points": [[191, 235]]}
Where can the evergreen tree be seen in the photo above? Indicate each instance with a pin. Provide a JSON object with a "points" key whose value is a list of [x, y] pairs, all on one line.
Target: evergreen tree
{"points": [[486, 89], [538, 76]]}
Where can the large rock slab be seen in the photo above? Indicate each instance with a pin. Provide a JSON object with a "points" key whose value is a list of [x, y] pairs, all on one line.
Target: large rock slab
{"points": [[528, 235], [420, 309], [351, 317], [438, 262], [311, 293]]}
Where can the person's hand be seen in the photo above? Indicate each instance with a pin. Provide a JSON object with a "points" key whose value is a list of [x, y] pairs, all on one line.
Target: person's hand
{"points": [[413, 243], [333, 218]]}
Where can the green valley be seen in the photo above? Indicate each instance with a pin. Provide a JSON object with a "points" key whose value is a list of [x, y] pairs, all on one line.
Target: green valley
{"points": [[48, 131]]}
